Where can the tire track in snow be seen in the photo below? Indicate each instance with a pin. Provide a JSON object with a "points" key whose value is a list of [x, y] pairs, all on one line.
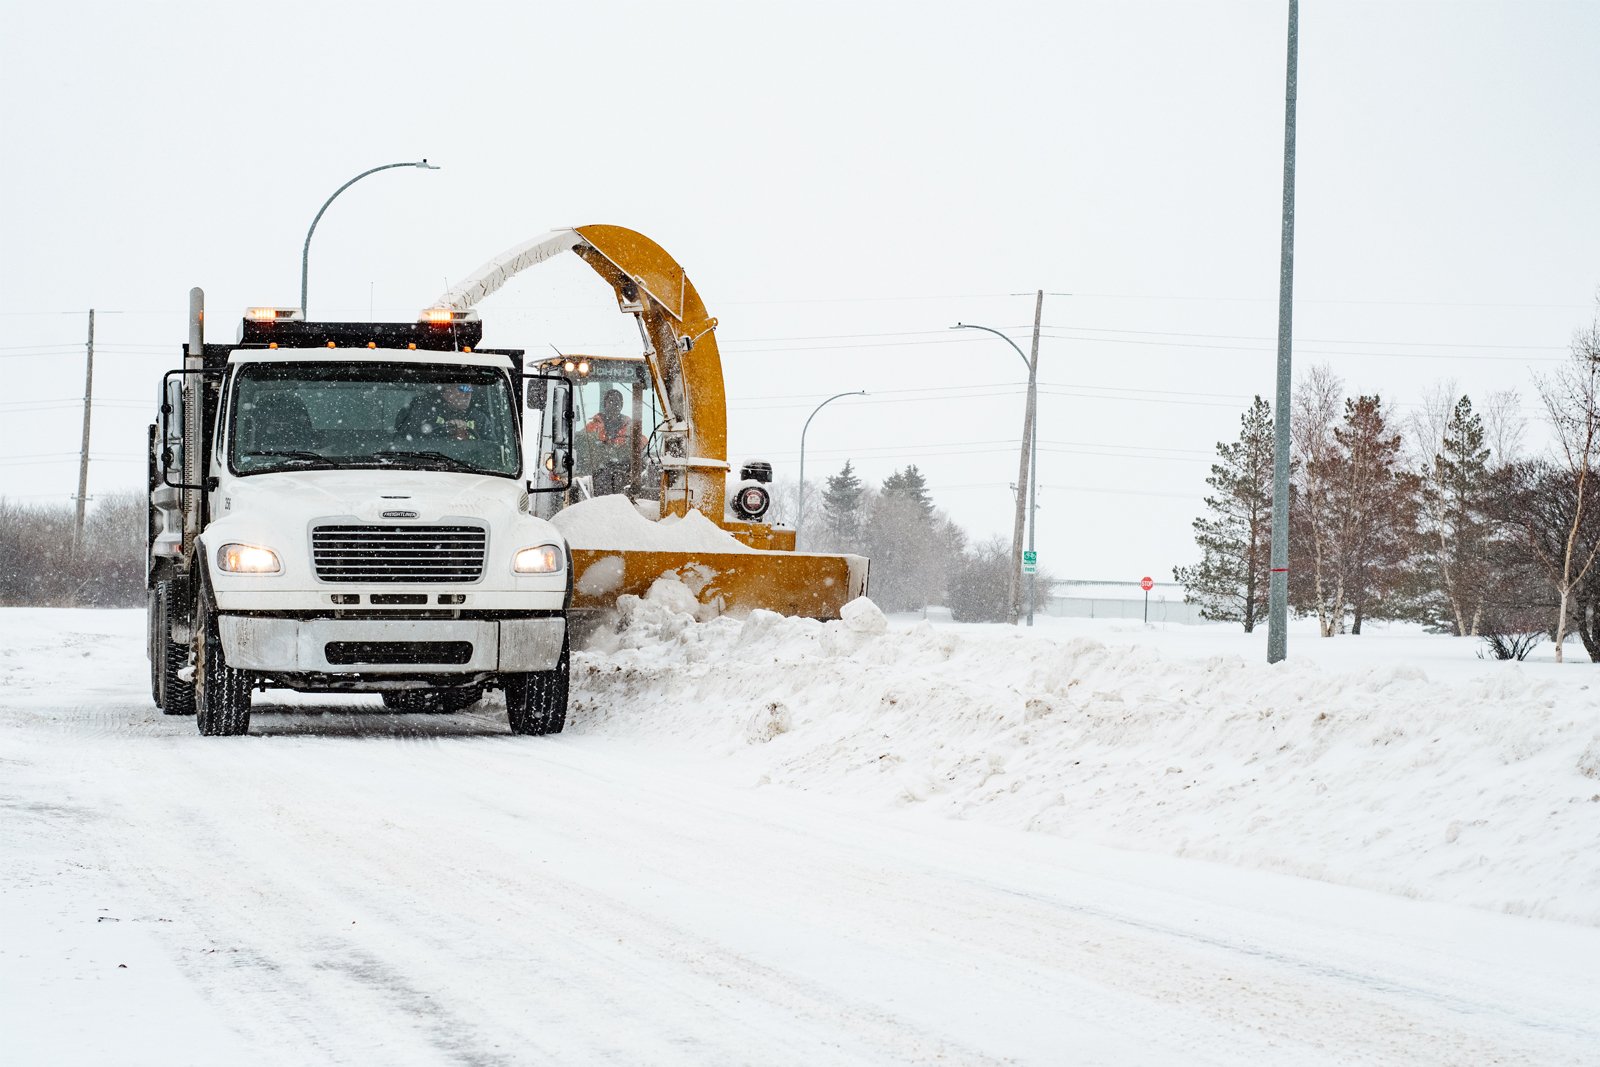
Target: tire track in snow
{"points": [[547, 895], [573, 949]]}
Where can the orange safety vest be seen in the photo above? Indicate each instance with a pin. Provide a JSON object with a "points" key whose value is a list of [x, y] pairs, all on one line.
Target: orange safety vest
{"points": [[597, 426]]}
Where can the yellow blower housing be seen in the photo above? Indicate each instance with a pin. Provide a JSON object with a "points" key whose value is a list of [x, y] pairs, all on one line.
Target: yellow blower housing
{"points": [[682, 466]]}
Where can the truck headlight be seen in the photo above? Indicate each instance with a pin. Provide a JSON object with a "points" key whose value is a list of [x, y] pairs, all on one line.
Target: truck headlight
{"points": [[248, 559], [541, 559]]}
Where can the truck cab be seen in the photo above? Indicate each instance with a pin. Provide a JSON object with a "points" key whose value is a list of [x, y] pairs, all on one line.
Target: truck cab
{"points": [[344, 507]]}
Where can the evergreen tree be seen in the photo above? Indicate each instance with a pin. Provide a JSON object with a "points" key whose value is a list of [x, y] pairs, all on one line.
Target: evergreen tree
{"points": [[1456, 485], [910, 484], [1230, 583], [843, 518], [1376, 536], [909, 551]]}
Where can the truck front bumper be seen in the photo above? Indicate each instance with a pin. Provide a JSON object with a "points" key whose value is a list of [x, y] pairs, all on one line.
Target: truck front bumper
{"points": [[400, 646]]}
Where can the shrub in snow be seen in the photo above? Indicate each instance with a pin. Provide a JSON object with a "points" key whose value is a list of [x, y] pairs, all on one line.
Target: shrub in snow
{"points": [[768, 722]]}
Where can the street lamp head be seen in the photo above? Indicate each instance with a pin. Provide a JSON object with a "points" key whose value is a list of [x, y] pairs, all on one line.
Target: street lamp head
{"points": [[305, 250]]}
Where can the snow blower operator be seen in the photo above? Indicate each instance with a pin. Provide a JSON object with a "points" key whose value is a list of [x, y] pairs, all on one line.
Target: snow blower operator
{"points": [[612, 442]]}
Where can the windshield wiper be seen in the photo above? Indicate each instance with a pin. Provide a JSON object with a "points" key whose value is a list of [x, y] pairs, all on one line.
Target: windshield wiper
{"points": [[437, 459], [295, 454]]}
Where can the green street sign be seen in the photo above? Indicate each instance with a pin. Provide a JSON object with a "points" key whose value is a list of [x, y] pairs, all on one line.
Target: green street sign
{"points": [[1030, 562]]}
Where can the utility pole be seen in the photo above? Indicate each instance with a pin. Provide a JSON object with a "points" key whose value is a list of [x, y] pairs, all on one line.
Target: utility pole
{"points": [[1033, 442], [83, 452], [1278, 587], [1023, 499]]}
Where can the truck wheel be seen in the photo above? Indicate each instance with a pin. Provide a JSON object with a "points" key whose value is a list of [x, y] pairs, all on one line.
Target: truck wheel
{"points": [[433, 701], [221, 693], [152, 650], [536, 701], [173, 695]]}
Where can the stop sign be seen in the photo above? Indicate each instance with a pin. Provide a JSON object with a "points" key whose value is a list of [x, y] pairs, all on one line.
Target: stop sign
{"points": [[1147, 583]]}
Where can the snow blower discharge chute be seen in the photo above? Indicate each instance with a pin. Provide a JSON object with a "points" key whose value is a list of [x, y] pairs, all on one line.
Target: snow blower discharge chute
{"points": [[633, 454]]}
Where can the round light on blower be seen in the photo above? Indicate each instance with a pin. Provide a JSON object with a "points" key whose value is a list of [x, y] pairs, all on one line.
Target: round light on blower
{"points": [[751, 502]]}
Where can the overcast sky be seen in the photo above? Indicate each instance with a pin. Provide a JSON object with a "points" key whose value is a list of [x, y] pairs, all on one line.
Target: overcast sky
{"points": [[842, 182]]}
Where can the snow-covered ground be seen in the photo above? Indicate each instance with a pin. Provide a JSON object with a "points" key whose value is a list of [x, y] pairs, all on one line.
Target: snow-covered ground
{"points": [[779, 841], [1396, 760]]}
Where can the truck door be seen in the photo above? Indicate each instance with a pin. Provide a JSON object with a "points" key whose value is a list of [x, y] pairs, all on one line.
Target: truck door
{"points": [[548, 454]]}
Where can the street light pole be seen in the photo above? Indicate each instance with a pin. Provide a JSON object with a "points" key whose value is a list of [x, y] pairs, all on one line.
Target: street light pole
{"points": [[305, 253], [1278, 584], [1028, 484], [800, 517]]}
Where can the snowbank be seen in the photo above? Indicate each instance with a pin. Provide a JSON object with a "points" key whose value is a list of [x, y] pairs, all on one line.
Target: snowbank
{"points": [[1481, 790], [1464, 781], [612, 522]]}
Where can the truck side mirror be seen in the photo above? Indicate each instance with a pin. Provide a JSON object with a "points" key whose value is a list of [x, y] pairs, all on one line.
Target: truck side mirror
{"points": [[168, 442], [170, 436], [554, 471]]}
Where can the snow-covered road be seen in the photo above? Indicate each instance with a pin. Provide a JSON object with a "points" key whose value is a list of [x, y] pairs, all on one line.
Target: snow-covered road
{"points": [[348, 886]]}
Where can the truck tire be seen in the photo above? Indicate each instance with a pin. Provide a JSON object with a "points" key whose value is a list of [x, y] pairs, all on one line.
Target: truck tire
{"points": [[173, 695], [536, 701], [221, 693], [152, 649], [433, 701]]}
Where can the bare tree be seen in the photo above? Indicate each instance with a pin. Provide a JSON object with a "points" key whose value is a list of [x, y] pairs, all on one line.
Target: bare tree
{"points": [[1571, 398], [1425, 427], [1504, 426], [42, 564], [1314, 512]]}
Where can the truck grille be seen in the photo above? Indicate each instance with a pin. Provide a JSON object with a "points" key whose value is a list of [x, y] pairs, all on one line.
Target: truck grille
{"points": [[398, 553], [347, 653]]}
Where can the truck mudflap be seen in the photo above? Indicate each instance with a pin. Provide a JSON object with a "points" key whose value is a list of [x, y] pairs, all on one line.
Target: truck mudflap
{"points": [[399, 646], [791, 583]]}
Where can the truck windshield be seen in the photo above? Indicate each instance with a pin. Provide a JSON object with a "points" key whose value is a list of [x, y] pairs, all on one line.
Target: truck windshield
{"points": [[310, 416]]}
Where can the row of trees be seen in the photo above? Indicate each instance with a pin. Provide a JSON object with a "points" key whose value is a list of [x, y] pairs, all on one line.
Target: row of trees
{"points": [[919, 556], [1443, 520], [43, 563]]}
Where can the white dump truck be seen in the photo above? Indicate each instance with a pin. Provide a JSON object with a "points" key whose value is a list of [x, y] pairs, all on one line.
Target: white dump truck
{"points": [[343, 507]]}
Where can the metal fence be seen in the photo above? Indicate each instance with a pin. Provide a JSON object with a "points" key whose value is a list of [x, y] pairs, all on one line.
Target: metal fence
{"points": [[1107, 600]]}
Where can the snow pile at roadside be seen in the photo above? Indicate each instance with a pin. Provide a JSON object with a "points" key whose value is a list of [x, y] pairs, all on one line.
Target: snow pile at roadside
{"points": [[1483, 792], [612, 522]]}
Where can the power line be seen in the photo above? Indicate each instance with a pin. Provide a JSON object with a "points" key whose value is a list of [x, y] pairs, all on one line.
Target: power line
{"points": [[1120, 492], [879, 452], [1302, 351], [1305, 340]]}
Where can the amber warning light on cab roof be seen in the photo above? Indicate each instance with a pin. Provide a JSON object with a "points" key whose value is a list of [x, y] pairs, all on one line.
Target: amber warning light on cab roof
{"points": [[446, 316], [265, 314]]}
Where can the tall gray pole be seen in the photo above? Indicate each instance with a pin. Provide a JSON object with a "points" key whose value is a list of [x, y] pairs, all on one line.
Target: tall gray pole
{"points": [[800, 516], [1030, 450], [305, 252], [83, 450], [1033, 441], [1278, 588]]}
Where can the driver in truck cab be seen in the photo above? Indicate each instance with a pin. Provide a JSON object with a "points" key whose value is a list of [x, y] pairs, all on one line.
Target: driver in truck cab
{"points": [[447, 413], [613, 439]]}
